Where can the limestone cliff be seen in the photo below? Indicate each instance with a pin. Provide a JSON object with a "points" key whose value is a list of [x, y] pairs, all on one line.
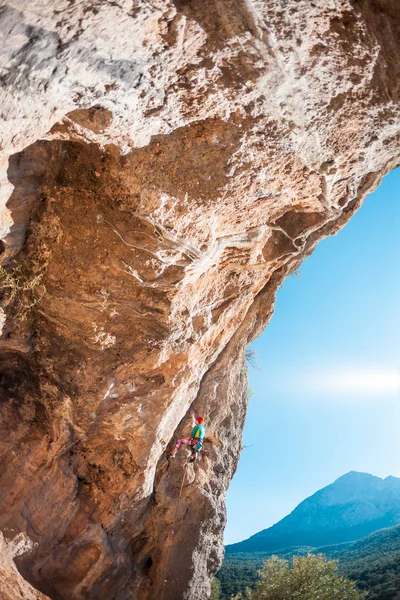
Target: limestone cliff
{"points": [[165, 165]]}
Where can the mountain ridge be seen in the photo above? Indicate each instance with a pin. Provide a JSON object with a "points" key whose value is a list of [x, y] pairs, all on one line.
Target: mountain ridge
{"points": [[352, 507]]}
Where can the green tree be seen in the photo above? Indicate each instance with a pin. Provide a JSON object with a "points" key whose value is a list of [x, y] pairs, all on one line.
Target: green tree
{"points": [[215, 589], [310, 577]]}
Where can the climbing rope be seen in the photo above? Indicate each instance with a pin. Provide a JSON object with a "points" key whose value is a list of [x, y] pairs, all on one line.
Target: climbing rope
{"points": [[180, 491], [171, 534]]}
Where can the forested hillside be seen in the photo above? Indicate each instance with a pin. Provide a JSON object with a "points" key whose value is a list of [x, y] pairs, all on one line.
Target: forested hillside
{"points": [[374, 562]]}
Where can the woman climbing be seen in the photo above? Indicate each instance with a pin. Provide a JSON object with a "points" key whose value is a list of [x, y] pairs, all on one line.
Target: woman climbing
{"points": [[195, 440]]}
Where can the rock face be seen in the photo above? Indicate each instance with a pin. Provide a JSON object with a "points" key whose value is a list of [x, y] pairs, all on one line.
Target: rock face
{"points": [[165, 165], [12, 585]]}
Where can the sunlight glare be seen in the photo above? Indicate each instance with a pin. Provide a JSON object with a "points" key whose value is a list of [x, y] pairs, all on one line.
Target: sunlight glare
{"points": [[355, 381]]}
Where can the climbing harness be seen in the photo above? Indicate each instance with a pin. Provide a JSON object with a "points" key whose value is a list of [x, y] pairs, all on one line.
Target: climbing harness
{"points": [[196, 444]]}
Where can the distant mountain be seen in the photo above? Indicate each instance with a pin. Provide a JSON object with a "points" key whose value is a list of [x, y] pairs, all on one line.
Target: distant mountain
{"points": [[351, 508], [332, 521]]}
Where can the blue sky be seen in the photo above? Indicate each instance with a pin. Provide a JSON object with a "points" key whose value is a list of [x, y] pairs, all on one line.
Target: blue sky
{"points": [[327, 397]]}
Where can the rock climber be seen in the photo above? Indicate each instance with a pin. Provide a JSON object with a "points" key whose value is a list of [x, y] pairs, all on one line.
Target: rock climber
{"points": [[195, 440]]}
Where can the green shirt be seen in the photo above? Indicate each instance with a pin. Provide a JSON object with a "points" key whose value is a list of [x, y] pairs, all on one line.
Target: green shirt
{"points": [[198, 432]]}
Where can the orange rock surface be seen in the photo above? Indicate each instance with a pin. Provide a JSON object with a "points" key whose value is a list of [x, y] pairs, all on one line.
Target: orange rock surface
{"points": [[165, 166]]}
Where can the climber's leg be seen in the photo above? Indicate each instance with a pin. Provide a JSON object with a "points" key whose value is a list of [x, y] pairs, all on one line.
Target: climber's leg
{"points": [[178, 445], [196, 447], [193, 456]]}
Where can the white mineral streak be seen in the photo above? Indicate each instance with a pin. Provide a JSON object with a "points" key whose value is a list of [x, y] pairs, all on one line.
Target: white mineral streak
{"points": [[79, 58], [12, 585]]}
